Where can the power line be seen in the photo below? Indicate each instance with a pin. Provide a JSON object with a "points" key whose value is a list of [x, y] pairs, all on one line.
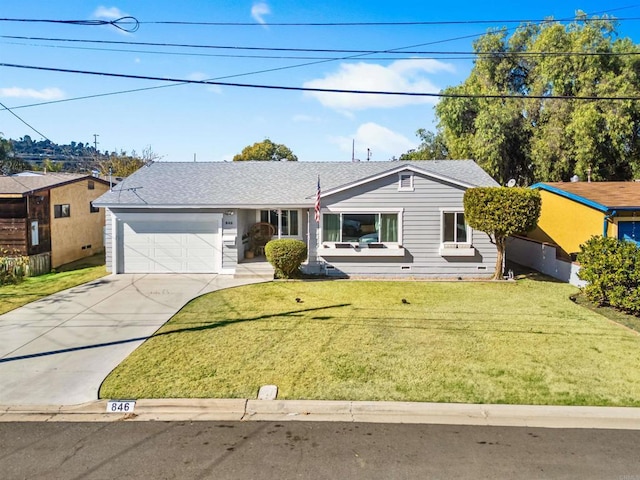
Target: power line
{"points": [[266, 57], [430, 55], [118, 22], [373, 24], [321, 90], [136, 23], [464, 37], [398, 51], [23, 121]]}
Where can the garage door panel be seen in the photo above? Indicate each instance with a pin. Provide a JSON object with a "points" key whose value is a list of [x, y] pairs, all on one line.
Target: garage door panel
{"points": [[163, 246]]}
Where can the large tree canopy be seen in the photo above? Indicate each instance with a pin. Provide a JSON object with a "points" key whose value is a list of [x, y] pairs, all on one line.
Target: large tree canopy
{"points": [[266, 151], [432, 147], [536, 137]]}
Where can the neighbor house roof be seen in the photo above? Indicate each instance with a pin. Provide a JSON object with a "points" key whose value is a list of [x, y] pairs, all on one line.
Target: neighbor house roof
{"points": [[21, 185], [602, 196], [231, 184]]}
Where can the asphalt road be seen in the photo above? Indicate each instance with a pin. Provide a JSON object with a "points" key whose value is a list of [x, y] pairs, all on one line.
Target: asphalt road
{"points": [[311, 450]]}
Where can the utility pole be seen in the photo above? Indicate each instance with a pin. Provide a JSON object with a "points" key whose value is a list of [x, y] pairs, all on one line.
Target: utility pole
{"points": [[95, 141]]}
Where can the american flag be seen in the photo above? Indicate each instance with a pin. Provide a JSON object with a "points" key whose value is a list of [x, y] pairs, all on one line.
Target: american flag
{"points": [[317, 205]]}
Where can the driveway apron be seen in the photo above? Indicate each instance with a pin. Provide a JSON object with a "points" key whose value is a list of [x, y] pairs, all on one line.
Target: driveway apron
{"points": [[58, 350]]}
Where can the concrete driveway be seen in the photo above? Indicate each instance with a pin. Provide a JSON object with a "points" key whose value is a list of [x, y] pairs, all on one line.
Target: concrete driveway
{"points": [[58, 350]]}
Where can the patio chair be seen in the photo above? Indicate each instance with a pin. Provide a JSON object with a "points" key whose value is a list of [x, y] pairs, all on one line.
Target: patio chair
{"points": [[259, 234]]}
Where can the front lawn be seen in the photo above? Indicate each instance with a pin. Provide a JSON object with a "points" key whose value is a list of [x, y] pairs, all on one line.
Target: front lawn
{"points": [[34, 288], [519, 342]]}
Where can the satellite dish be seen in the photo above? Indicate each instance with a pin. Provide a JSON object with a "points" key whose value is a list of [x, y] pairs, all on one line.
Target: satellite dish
{"points": [[575, 178], [511, 182]]}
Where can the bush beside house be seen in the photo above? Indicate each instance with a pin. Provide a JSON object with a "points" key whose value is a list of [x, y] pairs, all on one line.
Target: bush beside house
{"points": [[13, 269], [286, 256], [611, 268]]}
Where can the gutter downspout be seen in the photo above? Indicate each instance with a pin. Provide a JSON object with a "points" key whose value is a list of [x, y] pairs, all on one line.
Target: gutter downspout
{"points": [[607, 217]]}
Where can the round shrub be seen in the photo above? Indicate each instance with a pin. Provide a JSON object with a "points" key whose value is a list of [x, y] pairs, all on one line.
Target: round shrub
{"points": [[611, 268], [286, 255]]}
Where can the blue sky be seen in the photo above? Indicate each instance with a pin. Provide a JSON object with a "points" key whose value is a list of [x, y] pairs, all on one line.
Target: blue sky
{"points": [[215, 122]]}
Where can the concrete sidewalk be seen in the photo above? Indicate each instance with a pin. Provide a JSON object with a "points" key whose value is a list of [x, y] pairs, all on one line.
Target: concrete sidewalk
{"points": [[336, 411], [58, 350]]}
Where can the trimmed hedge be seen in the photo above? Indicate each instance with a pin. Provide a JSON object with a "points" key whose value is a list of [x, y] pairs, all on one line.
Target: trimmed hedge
{"points": [[501, 212], [611, 268], [286, 256]]}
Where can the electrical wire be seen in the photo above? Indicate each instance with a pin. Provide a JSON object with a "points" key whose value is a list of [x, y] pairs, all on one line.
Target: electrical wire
{"points": [[464, 37], [399, 51], [223, 55], [22, 120], [118, 22], [320, 90]]}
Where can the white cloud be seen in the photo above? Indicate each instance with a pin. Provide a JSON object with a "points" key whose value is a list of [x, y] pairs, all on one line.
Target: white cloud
{"points": [[382, 142], [400, 76], [111, 13], [259, 10], [44, 94]]}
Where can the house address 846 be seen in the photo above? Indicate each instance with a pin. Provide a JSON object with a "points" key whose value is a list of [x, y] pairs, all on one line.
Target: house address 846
{"points": [[120, 406]]}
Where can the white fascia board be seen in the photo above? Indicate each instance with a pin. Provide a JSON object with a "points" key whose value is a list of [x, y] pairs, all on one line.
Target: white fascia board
{"points": [[261, 206]]}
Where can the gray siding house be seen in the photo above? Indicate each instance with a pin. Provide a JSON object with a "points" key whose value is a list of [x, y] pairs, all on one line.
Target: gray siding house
{"points": [[376, 219]]}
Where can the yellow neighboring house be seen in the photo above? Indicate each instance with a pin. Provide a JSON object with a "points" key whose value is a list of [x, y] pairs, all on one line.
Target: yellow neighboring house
{"points": [[574, 212], [50, 217]]}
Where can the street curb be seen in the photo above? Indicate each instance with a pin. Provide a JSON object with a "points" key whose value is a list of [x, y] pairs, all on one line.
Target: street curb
{"points": [[540, 416]]}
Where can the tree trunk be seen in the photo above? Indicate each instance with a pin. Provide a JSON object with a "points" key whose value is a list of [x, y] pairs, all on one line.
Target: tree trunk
{"points": [[500, 245]]}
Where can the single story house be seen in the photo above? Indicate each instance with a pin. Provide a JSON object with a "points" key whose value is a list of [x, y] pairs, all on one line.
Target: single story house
{"points": [[573, 212], [50, 217], [393, 219]]}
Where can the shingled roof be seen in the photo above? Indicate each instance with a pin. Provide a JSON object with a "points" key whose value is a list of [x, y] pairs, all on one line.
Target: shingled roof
{"points": [[243, 184], [600, 195], [24, 184]]}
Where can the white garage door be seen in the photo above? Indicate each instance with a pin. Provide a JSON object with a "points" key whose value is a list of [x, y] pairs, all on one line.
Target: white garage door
{"points": [[172, 243]]}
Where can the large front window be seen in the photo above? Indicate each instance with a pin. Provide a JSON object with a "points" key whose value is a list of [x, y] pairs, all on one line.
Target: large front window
{"points": [[286, 219], [360, 227]]}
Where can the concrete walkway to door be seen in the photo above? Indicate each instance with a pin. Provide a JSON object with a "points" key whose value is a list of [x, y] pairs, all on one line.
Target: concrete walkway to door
{"points": [[58, 350]]}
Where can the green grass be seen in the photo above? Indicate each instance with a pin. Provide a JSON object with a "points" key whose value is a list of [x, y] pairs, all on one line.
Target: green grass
{"points": [[34, 288], [519, 342]]}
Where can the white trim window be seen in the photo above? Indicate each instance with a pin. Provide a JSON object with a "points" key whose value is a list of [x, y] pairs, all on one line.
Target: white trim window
{"points": [[361, 227], [287, 222], [455, 235], [405, 182]]}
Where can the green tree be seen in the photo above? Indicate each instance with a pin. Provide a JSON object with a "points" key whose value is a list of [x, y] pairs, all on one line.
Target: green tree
{"points": [[432, 147], [266, 151], [10, 164], [51, 166], [120, 164], [548, 139], [5, 147], [123, 164], [501, 212]]}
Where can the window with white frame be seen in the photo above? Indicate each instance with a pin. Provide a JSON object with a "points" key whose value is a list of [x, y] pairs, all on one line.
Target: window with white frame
{"points": [[405, 181], [286, 219], [454, 228], [360, 227]]}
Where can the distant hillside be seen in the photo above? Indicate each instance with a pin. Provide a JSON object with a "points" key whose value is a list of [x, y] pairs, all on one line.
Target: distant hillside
{"points": [[72, 157]]}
